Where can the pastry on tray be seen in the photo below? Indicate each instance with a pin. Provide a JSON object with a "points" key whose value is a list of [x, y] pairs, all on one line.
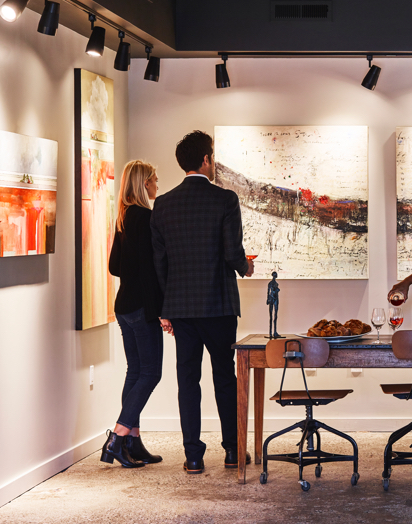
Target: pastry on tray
{"points": [[333, 328]]}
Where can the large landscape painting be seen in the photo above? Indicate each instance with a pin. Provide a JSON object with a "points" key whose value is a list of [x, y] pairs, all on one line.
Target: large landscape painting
{"points": [[28, 183], [94, 158], [404, 200], [303, 192]]}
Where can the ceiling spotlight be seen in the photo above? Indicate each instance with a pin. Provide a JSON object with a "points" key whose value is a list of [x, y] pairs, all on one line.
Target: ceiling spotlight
{"points": [[12, 9], [122, 60], [49, 21], [222, 78], [95, 45], [153, 67], [371, 78]]}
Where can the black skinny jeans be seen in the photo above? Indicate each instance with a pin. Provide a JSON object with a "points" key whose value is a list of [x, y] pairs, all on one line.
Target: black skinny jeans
{"points": [[143, 346]]}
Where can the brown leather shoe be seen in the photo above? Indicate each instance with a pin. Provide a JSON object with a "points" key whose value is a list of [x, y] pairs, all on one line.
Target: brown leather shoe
{"points": [[194, 467]]}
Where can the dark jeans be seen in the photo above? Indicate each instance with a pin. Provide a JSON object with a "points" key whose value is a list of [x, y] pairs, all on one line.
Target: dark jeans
{"points": [[217, 334], [143, 346]]}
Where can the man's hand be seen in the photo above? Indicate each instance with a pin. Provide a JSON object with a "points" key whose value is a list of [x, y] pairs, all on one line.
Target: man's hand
{"points": [[167, 326], [251, 269], [402, 286]]}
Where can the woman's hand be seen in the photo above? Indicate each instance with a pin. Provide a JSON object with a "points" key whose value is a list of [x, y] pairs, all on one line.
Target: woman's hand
{"points": [[167, 326]]}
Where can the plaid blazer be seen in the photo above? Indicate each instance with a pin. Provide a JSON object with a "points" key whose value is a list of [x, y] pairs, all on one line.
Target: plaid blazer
{"points": [[197, 245]]}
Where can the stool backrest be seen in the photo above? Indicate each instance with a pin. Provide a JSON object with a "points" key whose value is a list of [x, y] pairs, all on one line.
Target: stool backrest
{"points": [[315, 350], [402, 344]]}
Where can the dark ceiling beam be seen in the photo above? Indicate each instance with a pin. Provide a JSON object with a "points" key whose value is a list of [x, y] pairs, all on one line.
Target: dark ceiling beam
{"points": [[246, 25], [155, 17]]}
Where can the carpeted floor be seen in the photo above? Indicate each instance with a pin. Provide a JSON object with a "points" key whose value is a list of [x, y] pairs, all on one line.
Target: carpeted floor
{"points": [[93, 492]]}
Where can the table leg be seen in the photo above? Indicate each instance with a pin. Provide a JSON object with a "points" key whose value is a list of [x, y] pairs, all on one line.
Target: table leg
{"points": [[259, 391], [243, 373]]}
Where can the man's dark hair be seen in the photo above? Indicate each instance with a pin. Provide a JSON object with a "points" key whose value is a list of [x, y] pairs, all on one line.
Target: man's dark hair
{"points": [[191, 150]]}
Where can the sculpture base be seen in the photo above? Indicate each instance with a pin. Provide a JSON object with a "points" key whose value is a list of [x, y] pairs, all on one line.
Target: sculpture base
{"points": [[272, 338]]}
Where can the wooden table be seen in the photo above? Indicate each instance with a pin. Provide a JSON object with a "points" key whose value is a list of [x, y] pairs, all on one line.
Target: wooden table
{"points": [[360, 353]]}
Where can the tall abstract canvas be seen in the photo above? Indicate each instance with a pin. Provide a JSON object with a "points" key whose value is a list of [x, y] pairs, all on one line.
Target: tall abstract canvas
{"points": [[404, 200], [94, 200], [28, 183], [303, 192]]}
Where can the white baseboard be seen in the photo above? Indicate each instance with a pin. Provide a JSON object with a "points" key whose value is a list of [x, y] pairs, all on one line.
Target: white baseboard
{"points": [[272, 424], [51, 467]]}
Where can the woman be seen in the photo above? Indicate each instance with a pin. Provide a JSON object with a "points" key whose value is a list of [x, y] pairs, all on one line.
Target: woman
{"points": [[137, 307]]}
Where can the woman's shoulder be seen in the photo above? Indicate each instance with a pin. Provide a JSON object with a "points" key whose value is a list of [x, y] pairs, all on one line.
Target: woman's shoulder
{"points": [[138, 210], [138, 213]]}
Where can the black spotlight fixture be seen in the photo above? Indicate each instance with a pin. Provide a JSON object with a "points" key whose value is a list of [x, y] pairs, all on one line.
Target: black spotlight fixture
{"points": [[122, 60], [49, 21], [12, 9], [222, 78], [95, 45], [371, 78], [153, 67]]}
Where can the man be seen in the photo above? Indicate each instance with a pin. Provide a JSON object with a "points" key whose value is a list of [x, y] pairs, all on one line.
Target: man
{"points": [[197, 243]]}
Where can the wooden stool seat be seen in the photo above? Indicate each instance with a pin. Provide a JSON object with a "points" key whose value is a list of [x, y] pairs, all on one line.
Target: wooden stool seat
{"points": [[323, 394], [396, 389]]}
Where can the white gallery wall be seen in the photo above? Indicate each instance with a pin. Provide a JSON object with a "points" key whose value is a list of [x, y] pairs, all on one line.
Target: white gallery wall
{"points": [[49, 415], [277, 91]]}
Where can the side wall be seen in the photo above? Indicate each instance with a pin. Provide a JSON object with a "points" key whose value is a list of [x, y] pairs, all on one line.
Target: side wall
{"points": [[49, 415], [287, 92]]}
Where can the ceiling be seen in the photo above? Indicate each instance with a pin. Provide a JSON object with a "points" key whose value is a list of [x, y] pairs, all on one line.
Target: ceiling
{"points": [[195, 28], [76, 19]]}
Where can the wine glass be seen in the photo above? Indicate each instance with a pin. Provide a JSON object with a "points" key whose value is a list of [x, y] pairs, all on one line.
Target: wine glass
{"points": [[378, 320], [252, 254], [252, 250], [395, 317], [396, 298]]}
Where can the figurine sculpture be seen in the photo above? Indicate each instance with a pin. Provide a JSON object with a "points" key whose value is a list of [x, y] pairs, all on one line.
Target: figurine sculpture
{"points": [[273, 302]]}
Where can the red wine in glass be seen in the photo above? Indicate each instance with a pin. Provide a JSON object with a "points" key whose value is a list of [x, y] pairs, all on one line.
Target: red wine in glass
{"points": [[251, 257], [396, 322], [395, 318]]}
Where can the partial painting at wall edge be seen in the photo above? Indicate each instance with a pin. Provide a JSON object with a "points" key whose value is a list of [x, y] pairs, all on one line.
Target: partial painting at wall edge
{"points": [[303, 192], [28, 184], [94, 198], [404, 201]]}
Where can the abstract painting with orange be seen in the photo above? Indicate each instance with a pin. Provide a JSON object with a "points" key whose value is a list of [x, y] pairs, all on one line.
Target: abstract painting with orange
{"points": [[28, 183], [94, 144]]}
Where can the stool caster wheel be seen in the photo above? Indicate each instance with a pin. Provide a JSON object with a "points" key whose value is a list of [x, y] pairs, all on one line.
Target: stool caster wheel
{"points": [[263, 478], [385, 484], [388, 476], [318, 471], [304, 484], [354, 479]]}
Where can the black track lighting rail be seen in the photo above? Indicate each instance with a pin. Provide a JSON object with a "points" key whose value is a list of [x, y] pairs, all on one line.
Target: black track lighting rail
{"points": [[302, 54], [108, 22]]}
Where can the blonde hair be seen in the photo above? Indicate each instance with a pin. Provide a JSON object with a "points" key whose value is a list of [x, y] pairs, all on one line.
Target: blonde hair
{"points": [[132, 189]]}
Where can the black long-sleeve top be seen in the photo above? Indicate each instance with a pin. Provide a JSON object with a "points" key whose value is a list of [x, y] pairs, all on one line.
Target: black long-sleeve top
{"points": [[131, 259]]}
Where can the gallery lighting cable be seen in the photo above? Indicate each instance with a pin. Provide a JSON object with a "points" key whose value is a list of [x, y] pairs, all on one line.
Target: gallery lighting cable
{"points": [[10, 11], [369, 81], [108, 22]]}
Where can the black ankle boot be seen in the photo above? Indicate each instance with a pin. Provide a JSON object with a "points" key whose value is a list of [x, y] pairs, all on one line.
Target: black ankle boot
{"points": [[114, 448], [137, 451]]}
